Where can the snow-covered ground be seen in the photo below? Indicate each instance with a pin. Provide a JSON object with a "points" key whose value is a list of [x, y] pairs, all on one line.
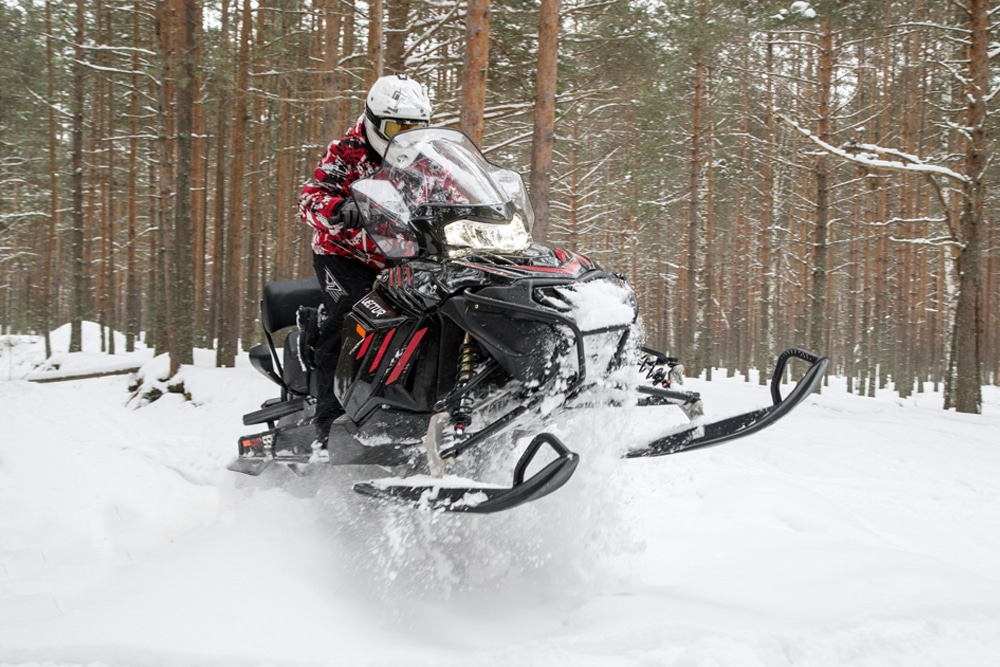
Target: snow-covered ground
{"points": [[855, 532]]}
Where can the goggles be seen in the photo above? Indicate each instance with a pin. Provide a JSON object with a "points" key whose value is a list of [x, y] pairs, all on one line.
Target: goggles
{"points": [[390, 128]]}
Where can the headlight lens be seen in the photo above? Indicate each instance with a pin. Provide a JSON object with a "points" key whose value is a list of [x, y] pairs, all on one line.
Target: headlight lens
{"points": [[468, 234]]}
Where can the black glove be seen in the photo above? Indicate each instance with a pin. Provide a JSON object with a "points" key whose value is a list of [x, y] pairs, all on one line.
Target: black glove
{"points": [[348, 215]]}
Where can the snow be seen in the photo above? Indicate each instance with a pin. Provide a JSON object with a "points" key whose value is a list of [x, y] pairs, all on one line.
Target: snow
{"points": [[856, 531], [600, 303], [799, 7]]}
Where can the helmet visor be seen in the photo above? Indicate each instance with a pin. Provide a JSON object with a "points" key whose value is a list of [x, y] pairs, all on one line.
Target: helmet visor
{"points": [[391, 128]]}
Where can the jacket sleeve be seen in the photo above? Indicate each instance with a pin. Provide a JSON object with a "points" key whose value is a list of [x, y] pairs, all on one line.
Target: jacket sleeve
{"points": [[329, 187]]}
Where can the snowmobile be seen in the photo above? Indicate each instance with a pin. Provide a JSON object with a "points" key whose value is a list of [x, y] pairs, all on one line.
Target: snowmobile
{"points": [[472, 336]]}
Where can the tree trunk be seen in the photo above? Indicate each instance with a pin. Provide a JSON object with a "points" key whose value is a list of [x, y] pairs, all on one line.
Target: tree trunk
{"points": [[345, 108], [165, 171], [199, 183], [543, 138], [475, 68], [132, 278], [708, 337], [48, 300], [376, 49], [219, 219], [228, 335], [398, 13], [690, 350], [331, 69], [817, 328], [766, 338], [76, 179], [968, 316], [182, 317]]}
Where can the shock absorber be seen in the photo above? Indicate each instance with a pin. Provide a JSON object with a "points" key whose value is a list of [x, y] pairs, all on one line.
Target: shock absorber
{"points": [[653, 368], [468, 355]]}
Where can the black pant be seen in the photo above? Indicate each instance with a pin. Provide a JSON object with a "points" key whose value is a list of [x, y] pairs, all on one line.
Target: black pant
{"points": [[345, 281]]}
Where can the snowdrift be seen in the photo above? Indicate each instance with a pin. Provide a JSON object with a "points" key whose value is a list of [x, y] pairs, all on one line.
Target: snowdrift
{"points": [[855, 532]]}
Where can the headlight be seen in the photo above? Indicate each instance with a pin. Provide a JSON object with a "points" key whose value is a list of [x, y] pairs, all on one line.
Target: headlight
{"points": [[466, 234]]}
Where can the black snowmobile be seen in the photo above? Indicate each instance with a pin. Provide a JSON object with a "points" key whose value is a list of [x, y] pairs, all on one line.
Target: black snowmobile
{"points": [[467, 339]]}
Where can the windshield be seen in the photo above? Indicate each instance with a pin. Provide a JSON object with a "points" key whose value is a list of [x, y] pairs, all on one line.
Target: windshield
{"points": [[436, 194]]}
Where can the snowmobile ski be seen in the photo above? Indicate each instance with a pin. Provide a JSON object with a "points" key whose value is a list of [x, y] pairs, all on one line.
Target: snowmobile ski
{"points": [[724, 430], [480, 499]]}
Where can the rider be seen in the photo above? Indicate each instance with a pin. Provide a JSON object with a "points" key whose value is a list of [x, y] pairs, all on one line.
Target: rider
{"points": [[345, 259]]}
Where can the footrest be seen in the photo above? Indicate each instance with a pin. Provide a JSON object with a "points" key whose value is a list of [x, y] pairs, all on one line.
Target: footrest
{"points": [[274, 412], [249, 465], [457, 495]]}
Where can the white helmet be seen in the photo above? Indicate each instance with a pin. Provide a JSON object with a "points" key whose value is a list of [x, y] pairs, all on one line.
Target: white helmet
{"points": [[395, 103]]}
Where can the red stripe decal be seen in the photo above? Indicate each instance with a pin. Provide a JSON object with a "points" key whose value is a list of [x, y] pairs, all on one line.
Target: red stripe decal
{"points": [[490, 269], [364, 345], [572, 267], [381, 350], [411, 347]]}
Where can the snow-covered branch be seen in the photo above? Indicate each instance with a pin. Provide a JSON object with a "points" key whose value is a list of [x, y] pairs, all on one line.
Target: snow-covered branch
{"points": [[955, 74], [866, 156], [117, 48], [961, 6], [909, 221], [55, 107], [437, 24], [13, 217], [939, 242]]}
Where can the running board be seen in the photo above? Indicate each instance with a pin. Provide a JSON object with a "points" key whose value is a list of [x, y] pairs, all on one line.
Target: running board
{"points": [[292, 445]]}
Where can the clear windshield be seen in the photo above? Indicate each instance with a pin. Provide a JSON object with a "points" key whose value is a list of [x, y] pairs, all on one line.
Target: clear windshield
{"points": [[436, 194]]}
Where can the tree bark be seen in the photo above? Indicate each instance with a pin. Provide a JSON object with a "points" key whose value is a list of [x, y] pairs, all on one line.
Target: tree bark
{"points": [[345, 108], [708, 335], [766, 337], [817, 328], [50, 235], [543, 138], [692, 294], [331, 67], [475, 68], [968, 332], [182, 318], [398, 13], [76, 180], [228, 334], [376, 48]]}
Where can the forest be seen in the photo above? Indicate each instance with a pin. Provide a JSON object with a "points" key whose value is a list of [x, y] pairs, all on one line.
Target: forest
{"points": [[766, 173]]}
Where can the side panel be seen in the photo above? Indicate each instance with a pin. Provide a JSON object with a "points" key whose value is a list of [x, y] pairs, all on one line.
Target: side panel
{"points": [[388, 360], [517, 332]]}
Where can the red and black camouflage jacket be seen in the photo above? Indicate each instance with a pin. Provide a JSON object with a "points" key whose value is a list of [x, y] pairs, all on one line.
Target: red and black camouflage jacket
{"points": [[346, 160]]}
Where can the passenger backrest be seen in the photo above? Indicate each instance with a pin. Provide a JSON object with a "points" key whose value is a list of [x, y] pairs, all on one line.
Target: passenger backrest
{"points": [[281, 300]]}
